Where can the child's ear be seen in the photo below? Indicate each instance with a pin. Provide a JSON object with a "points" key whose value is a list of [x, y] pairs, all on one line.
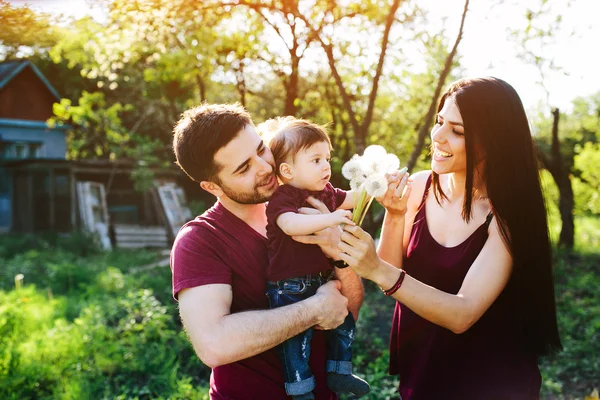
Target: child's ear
{"points": [[212, 188], [286, 171]]}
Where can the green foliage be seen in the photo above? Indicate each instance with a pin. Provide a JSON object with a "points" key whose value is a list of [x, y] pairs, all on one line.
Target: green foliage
{"points": [[587, 227], [112, 338], [197, 207], [371, 348], [579, 134], [96, 128], [24, 31], [586, 185], [576, 369], [114, 332]]}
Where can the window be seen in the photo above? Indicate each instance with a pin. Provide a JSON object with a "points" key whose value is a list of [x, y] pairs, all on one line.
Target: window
{"points": [[21, 150], [35, 150]]}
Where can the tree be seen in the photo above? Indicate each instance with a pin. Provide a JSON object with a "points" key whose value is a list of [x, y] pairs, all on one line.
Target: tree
{"points": [[96, 129], [24, 32], [554, 163], [360, 125], [281, 18], [539, 34], [429, 117]]}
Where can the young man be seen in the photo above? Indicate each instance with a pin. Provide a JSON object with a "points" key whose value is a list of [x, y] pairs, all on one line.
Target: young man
{"points": [[219, 262]]}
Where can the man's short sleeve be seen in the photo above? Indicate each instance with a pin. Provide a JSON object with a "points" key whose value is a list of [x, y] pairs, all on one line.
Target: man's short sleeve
{"points": [[195, 262]]}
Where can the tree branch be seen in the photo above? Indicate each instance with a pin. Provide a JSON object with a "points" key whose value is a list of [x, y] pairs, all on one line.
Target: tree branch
{"points": [[426, 127], [384, 44]]}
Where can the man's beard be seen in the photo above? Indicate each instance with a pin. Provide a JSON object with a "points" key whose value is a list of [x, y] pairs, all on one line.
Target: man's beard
{"points": [[255, 197]]}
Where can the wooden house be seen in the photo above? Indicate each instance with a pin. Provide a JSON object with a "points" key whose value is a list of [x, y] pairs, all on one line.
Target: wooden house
{"points": [[41, 191]]}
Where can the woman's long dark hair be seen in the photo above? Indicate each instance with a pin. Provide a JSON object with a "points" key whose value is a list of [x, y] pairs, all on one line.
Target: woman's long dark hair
{"points": [[495, 122]]}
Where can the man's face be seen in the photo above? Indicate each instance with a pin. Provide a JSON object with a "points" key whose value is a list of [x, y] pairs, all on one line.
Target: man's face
{"points": [[247, 175]]}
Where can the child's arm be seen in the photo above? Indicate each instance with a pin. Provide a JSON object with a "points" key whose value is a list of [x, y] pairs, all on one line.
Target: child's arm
{"points": [[300, 224], [348, 203]]}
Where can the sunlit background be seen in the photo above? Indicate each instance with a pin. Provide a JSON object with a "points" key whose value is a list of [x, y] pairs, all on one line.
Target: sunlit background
{"points": [[91, 199], [487, 47]]}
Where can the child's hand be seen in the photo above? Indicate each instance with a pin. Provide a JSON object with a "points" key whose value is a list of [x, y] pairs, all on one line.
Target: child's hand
{"points": [[341, 217]]}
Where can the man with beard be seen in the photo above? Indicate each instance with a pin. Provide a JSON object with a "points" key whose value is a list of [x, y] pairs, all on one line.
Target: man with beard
{"points": [[219, 263]]}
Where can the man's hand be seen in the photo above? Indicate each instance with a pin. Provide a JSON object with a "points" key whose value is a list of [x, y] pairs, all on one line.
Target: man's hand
{"points": [[332, 304], [327, 239]]}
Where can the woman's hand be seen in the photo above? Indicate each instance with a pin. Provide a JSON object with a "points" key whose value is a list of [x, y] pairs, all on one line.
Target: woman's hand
{"points": [[396, 197], [358, 251]]}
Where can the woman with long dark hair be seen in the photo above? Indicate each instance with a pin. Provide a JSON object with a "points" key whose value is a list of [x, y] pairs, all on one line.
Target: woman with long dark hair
{"points": [[465, 251]]}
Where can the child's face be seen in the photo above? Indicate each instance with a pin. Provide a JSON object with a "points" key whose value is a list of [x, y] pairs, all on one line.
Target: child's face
{"points": [[311, 169]]}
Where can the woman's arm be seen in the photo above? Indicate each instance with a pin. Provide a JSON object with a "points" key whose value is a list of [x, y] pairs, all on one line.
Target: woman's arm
{"points": [[401, 206], [484, 282]]}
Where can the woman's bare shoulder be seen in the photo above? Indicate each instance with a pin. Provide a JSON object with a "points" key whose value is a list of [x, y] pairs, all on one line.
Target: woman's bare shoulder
{"points": [[419, 180], [418, 183]]}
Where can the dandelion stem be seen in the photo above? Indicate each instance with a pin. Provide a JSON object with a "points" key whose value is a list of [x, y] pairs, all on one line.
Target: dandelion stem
{"points": [[365, 211]]}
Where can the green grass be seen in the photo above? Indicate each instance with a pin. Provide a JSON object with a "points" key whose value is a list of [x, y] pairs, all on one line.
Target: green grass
{"points": [[85, 325]]}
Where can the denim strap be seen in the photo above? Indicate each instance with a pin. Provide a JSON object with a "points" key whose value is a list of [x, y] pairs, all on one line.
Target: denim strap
{"points": [[339, 367]]}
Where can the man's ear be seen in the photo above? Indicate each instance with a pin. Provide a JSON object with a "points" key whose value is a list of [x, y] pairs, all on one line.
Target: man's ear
{"points": [[286, 171], [212, 188]]}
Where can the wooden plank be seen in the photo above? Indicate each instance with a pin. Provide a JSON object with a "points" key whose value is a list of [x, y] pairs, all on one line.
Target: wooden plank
{"points": [[160, 236], [137, 236], [136, 229], [142, 242], [136, 245], [141, 239], [139, 243]]}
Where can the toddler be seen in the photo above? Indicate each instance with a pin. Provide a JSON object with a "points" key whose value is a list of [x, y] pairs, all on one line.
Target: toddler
{"points": [[302, 150]]}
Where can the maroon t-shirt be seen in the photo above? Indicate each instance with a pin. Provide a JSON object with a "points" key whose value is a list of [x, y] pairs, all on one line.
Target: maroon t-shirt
{"points": [[218, 247], [288, 258]]}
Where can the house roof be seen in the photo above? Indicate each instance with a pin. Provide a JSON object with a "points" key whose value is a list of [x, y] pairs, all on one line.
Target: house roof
{"points": [[10, 69]]}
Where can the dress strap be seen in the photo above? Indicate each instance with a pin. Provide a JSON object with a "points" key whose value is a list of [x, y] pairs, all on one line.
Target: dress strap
{"points": [[488, 219], [426, 191]]}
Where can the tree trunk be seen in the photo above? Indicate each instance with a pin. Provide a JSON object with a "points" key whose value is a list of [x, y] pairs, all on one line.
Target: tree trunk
{"points": [[566, 205], [201, 87], [428, 120], [556, 166], [292, 86], [361, 129]]}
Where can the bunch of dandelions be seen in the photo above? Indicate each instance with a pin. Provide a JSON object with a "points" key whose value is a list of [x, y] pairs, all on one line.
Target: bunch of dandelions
{"points": [[367, 178]]}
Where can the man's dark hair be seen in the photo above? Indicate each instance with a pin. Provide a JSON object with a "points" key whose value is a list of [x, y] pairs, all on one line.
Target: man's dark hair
{"points": [[201, 132]]}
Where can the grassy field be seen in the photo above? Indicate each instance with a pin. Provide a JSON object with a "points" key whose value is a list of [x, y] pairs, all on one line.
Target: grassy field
{"points": [[85, 324]]}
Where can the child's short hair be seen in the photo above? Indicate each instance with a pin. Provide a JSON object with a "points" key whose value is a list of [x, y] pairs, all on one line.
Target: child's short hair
{"points": [[286, 136]]}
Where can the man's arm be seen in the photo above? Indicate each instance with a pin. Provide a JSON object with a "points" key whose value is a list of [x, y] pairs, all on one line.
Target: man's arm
{"points": [[220, 337], [299, 224]]}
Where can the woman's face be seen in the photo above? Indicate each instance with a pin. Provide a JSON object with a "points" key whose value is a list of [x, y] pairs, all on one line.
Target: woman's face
{"points": [[448, 140]]}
